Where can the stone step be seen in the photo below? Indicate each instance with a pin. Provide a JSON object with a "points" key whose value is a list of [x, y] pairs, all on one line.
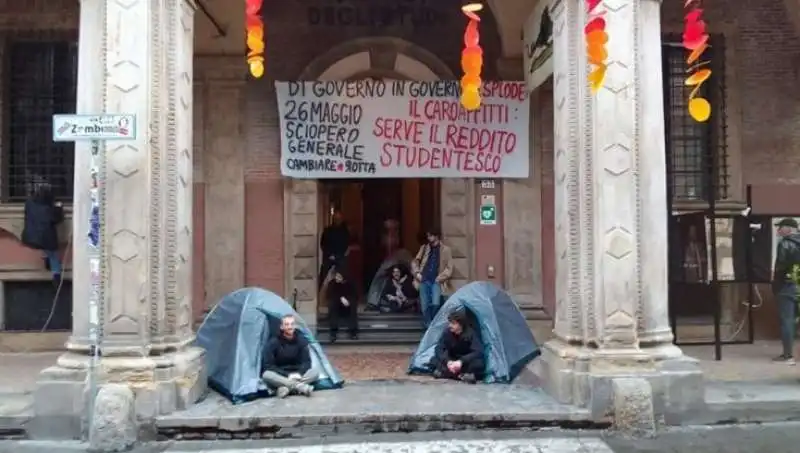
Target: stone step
{"points": [[374, 407]]}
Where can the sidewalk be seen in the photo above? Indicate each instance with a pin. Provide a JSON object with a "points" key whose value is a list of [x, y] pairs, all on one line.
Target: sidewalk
{"points": [[746, 386]]}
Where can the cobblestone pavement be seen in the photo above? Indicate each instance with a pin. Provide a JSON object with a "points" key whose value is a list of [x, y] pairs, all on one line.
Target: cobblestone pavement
{"points": [[771, 438]]}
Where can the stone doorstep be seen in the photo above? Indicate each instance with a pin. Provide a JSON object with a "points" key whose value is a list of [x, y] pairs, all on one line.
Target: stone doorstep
{"points": [[15, 413], [369, 408]]}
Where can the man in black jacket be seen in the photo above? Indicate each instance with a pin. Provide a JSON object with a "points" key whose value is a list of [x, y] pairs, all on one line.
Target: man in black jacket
{"points": [[459, 354], [784, 286], [42, 217], [335, 245], [286, 362]]}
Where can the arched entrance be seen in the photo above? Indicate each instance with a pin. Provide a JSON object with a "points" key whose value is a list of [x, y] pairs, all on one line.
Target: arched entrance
{"points": [[360, 58]]}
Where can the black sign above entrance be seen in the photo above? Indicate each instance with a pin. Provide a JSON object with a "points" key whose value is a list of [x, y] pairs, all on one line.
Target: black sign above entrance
{"points": [[374, 14]]}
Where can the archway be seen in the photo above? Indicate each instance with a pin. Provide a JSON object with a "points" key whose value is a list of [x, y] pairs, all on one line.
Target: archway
{"points": [[368, 57]]}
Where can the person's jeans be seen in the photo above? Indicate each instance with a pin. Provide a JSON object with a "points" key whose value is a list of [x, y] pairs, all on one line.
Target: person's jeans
{"points": [[787, 311], [430, 296], [276, 380], [53, 260]]}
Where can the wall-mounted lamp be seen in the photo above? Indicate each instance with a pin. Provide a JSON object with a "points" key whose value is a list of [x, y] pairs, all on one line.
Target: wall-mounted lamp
{"points": [[471, 6]]}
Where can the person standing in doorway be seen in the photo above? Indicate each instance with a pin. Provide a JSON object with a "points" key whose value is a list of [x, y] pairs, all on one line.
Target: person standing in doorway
{"points": [[334, 244], [433, 268], [42, 217], [784, 285]]}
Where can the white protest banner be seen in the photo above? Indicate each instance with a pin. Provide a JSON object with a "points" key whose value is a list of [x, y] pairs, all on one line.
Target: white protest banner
{"points": [[401, 129]]}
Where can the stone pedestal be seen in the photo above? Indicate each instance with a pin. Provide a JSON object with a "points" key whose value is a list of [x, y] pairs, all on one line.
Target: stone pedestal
{"points": [[611, 220], [135, 57]]}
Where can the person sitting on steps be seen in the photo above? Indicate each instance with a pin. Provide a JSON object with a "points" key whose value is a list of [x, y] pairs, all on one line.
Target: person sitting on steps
{"points": [[342, 303], [286, 362], [459, 354]]}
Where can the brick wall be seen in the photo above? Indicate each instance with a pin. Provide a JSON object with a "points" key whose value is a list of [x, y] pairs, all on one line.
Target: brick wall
{"points": [[292, 46]]}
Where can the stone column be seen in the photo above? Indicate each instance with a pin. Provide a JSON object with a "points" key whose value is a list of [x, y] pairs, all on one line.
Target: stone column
{"points": [[611, 215], [135, 58]]}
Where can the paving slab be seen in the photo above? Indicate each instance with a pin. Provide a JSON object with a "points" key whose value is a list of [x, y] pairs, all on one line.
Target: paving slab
{"points": [[729, 402], [551, 445], [371, 407], [16, 409]]}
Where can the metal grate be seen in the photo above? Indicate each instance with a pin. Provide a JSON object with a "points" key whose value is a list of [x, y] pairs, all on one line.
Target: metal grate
{"points": [[41, 80], [696, 152]]}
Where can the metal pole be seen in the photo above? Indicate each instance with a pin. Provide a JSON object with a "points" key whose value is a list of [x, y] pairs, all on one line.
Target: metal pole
{"points": [[95, 329]]}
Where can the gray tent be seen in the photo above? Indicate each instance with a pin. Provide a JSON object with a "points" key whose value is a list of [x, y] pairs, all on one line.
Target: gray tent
{"points": [[234, 335], [507, 340]]}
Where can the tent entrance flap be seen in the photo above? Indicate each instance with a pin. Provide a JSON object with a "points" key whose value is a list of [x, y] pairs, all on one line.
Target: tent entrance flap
{"points": [[508, 342], [234, 335]]}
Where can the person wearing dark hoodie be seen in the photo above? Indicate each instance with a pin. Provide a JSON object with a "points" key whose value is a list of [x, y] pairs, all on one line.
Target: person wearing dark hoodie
{"points": [[342, 303], [42, 217], [459, 354], [784, 285], [286, 362]]}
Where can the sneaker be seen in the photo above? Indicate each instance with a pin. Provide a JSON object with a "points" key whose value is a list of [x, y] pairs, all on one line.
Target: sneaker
{"points": [[437, 374], [283, 392], [788, 360], [354, 335], [56, 280], [333, 338], [305, 389], [469, 378]]}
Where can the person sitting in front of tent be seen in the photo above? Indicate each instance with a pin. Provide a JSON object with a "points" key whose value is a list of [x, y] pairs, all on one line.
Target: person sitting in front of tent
{"points": [[286, 362], [459, 354]]}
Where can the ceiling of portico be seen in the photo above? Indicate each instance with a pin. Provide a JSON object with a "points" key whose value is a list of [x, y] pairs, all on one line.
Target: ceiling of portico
{"points": [[509, 14]]}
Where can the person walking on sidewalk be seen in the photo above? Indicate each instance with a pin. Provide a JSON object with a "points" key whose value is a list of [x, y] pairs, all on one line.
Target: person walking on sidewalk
{"points": [[784, 285]]}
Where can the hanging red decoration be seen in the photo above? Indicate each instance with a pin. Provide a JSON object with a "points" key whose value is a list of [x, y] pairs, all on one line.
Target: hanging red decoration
{"points": [[596, 40], [695, 40], [254, 27], [471, 59]]}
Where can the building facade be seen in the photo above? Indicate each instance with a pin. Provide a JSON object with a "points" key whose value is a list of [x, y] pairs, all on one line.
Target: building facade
{"points": [[197, 206]]}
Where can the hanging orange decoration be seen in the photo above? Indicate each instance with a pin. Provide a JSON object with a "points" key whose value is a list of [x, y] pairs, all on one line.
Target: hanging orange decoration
{"points": [[254, 27], [695, 40], [471, 59], [596, 41]]}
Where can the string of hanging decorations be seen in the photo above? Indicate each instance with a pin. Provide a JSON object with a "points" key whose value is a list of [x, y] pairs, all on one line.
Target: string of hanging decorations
{"points": [[596, 39], [695, 40], [254, 27], [471, 58]]}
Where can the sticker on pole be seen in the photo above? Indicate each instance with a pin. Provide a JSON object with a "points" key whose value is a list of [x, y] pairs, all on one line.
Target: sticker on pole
{"points": [[70, 128]]}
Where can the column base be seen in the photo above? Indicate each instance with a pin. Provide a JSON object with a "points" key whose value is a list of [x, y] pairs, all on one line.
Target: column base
{"points": [[586, 377], [160, 385]]}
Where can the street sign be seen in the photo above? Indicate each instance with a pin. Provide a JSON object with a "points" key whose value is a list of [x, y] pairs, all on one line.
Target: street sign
{"points": [[70, 128], [488, 214]]}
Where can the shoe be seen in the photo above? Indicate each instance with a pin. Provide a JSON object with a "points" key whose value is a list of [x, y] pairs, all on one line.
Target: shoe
{"points": [[354, 336], [282, 392], [437, 374], [787, 360], [56, 280], [305, 389], [469, 378], [333, 338]]}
